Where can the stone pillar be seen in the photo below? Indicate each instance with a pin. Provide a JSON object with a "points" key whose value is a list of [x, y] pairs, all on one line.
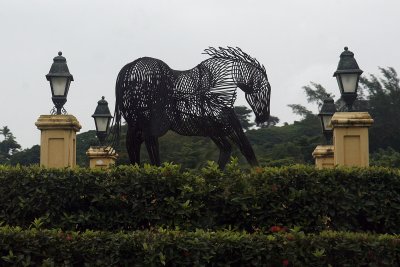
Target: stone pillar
{"points": [[101, 157], [58, 140], [323, 156], [350, 138]]}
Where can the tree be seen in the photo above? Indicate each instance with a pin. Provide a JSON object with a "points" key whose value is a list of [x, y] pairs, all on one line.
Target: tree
{"points": [[5, 131], [272, 121], [386, 158], [300, 110], [244, 114], [383, 96], [8, 146], [315, 93], [83, 142], [380, 96], [26, 157]]}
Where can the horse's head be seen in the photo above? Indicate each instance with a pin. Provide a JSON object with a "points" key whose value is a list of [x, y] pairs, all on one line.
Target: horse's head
{"points": [[257, 92], [247, 74]]}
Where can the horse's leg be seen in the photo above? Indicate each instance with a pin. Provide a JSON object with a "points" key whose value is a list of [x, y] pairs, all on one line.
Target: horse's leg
{"points": [[225, 150], [153, 149], [134, 140], [240, 139]]}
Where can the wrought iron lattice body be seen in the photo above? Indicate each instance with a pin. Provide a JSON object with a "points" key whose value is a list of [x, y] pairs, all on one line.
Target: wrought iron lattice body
{"points": [[153, 98]]}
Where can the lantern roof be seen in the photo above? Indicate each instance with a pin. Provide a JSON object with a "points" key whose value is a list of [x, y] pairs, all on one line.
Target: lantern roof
{"points": [[347, 63], [59, 68], [102, 109], [328, 107]]}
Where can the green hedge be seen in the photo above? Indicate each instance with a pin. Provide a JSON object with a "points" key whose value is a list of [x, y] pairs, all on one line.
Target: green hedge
{"points": [[133, 198], [179, 248]]}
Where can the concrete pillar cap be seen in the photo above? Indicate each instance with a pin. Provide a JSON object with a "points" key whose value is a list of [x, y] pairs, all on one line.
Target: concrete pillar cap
{"points": [[101, 152], [323, 151], [57, 122], [351, 119]]}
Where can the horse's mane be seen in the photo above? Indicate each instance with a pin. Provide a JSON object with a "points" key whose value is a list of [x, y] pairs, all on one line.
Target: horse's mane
{"points": [[232, 53]]}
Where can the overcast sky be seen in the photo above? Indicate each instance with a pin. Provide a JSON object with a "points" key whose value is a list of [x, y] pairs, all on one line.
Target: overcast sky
{"points": [[298, 41]]}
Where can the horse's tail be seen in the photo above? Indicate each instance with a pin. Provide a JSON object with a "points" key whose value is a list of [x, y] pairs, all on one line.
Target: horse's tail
{"points": [[115, 129]]}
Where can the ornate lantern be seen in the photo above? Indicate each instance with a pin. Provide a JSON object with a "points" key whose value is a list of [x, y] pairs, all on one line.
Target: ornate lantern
{"points": [[327, 110], [60, 79], [347, 75], [102, 118]]}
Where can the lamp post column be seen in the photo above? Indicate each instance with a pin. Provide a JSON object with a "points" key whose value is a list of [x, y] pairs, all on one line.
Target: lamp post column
{"points": [[350, 129], [58, 140], [102, 156], [323, 154], [350, 138], [58, 131], [324, 157]]}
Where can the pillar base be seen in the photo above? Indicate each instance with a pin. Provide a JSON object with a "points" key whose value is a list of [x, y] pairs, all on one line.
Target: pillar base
{"points": [[101, 157], [323, 156], [350, 138], [58, 140]]}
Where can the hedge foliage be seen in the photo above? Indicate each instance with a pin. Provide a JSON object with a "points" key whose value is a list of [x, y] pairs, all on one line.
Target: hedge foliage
{"points": [[37, 247], [134, 198]]}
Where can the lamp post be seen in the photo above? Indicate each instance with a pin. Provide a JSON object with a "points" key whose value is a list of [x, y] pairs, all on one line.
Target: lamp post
{"points": [[102, 118], [101, 156], [347, 75], [327, 110], [58, 133], [350, 129], [60, 79]]}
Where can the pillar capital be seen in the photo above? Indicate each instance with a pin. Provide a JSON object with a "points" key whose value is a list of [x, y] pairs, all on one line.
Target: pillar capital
{"points": [[323, 151], [351, 119], [350, 138], [323, 155], [101, 156], [58, 140], [58, 122]]}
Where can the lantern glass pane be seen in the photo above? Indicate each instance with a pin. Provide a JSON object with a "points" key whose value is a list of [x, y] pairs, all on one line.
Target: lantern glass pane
{"points": [[339, 83], [349, 82], [101, 124], [326, 121], [59, 84]]}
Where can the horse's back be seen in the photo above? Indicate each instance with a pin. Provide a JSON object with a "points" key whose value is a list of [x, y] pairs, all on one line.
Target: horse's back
{"points": [[143, 90], [142, 68]]}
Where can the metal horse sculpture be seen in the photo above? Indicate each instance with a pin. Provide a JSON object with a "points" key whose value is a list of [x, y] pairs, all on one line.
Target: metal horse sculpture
{"points": [[153, 98]]}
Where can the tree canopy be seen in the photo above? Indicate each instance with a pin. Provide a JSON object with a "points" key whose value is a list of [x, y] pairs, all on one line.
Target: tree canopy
{"points": [[383, 97], [244, 115], [274, 145], [8, 146]]}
